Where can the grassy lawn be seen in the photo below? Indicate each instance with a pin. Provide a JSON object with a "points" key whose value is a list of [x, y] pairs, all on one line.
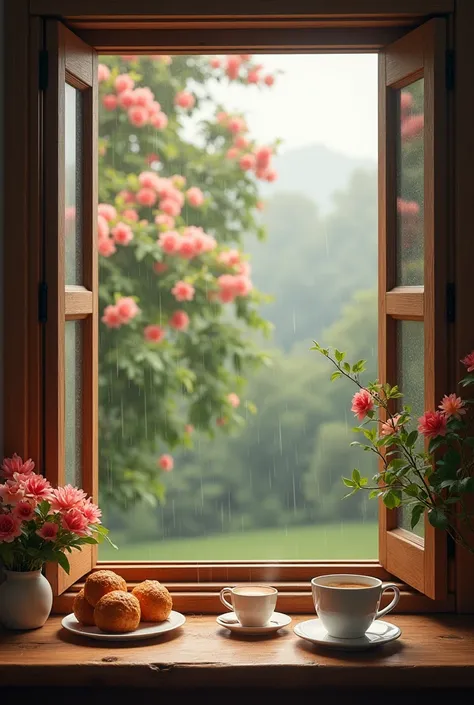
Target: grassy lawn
{"points": [[322, 542]]}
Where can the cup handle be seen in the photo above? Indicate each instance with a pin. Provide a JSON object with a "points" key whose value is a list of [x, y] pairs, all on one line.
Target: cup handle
{"points": [[393, 603], [222, 595]]}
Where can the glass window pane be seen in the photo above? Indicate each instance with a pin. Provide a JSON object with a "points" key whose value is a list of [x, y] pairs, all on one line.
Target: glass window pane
{"points": [[410, 184], [73, 186], [411, 382], [73, 402]]}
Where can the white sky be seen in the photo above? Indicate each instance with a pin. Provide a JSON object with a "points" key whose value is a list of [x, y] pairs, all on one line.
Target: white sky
{"points": [[319, 98]]}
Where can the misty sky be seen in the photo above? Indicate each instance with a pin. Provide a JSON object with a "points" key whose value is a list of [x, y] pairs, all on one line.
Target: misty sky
{"points": [[318, 98]]}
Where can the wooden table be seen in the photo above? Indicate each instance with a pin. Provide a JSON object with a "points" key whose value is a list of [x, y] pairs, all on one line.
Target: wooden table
{"points": [[434, 652]]}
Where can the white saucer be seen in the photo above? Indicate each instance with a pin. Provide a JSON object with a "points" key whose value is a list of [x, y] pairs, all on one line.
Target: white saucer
{"points": [[146, 630], [378, 633], [277, 621]]}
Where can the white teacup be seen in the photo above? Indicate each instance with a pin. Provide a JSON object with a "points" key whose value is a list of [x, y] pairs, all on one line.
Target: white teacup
{"points": [[253, 604], [348, 604]]}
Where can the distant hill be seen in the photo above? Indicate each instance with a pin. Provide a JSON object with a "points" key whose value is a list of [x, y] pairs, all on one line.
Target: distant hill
{"points": [[315, 171]]}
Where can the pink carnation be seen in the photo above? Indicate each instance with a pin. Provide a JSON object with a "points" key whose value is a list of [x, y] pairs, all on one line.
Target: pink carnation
{"points": [[253, 76], [233, 399], [112, 317], [12, 492], [406, 102], [126, 99], [38, 488], [262, 157], [186, 247], [154, 108], [122, 233], [270, 175], [10, 528], [468, 361], [67, 497], [236, 125], [109, 101], [182, 291], [407, 208], [432, 424], [130, 214], [75, 522], [148, 179], [390, 426], [15, 464], [124, 82], [229, 258], [103, 73], [170, 207], [91, 511], [179, 320], [166, 462], [146, 197], [195, 197], [25, 510], [166, 220], [452, 405], [144, 97], [107, 211], [138, 115], [48, 531], [169, 242], [184, 100], [241, 142], [107, 247], [159, 120], [362, 403], [102, 227], [127, 308], [242, 285], [127, 196], [154, 333], [269, 80], [247, 161]]}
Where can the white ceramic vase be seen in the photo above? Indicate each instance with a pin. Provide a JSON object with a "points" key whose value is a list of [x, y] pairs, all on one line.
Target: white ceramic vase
{"points": [[25, 600]]}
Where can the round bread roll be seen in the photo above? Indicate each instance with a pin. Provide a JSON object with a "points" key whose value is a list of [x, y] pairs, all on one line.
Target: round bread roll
{"points": [[117, 612], [100, 583], [155, 601], [83, 611]]}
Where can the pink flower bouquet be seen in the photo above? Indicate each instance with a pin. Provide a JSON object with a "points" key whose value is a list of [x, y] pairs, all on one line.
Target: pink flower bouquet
{"points": [[39, 523], [429, 468]]}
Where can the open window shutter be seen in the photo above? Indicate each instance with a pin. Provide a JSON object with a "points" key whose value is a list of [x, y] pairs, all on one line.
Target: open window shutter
{"points": [[70, 262], [413, 267]]}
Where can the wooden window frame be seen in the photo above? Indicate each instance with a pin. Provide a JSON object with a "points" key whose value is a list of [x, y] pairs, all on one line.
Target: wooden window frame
{"points": [[109, 26]]}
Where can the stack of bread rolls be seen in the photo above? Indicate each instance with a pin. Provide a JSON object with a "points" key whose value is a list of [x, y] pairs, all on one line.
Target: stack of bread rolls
{"points": [[105, 602]]}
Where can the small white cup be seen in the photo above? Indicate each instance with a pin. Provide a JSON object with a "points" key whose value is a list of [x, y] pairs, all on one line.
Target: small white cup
{"points": [[253, 604], [347, 612]]}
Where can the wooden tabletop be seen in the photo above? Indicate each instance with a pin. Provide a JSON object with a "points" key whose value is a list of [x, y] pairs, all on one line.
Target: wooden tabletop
{"points": [[433, 651]]}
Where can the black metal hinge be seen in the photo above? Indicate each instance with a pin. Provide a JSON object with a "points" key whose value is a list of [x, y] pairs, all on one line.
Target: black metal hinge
{"points": [[43, 70], [43, 302], [450, 70], [450, 302]]}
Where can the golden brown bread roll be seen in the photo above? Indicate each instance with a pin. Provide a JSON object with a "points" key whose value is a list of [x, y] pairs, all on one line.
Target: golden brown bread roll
{"points": [[117, 612], [155, 601], [83, 611], [100, 583]]}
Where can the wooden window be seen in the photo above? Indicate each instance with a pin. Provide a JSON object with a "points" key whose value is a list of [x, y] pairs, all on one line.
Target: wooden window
{"points": [[413, 329]]}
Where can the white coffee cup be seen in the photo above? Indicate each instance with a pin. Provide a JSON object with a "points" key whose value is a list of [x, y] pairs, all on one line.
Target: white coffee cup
{"points": [[348, 604], [253, 604]]}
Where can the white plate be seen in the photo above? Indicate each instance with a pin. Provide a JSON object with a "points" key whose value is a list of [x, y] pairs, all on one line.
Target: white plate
{"points": [[378, 633], [277, 621], [146, 630]]}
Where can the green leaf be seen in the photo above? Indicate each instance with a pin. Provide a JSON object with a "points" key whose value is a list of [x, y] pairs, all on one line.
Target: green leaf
{"points": [[466, 485], [398, 464], [339, 355], [356, 476], [412, 490], [391, 499], [411, 438], [347, 482], [438, 519], [62, 560], [416, 514], [335, 375], [373, 494]]}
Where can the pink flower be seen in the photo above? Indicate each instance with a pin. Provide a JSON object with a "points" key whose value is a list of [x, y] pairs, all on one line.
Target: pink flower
{"points": [[160, 267], [231, 285], [179, 320], [75, 522], [10, 528], [126, 99], [182, 291], [166, 462], [107, 247], [236, 125], [146, 197], [195, 197], [38, 488], [412, 127], [112, 317], [107, 211], [103, 73], [165, 220], [127, 308], [149, 180], [221, 117], [233, 399], [452, 406], [152, 157], [232, 153], [271, 175], [189, 428], [163, 59], [24, 510], [102, 227], [468, 361], [15, 464], [159, 120], [246, 57], [247, 161], [67, 497], [253, 76], [432, 424], [226, 295], [269, 80], [127, 196], [184, 100], [124, 82], [170, 207], [187, 248], [362, 402], [144, 97], [241, 142], [215, 62], [12, 492], [406, 102], [91, 511], [154, 108], [242, 285], [262, 157], [154, 333], [260, 205], [407, 208], [109, 101], [390, 426], [230, 258], [138, 115], [122, 233], [233, 66], [130, 214], [129, 57], [169, 242], [48, 531]]}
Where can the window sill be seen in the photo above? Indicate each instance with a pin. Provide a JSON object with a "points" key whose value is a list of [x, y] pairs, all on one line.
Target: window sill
{"points": [[434, 651]]}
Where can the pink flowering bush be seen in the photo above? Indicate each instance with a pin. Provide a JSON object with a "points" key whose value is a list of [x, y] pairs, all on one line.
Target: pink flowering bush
{"points": [[40, 523], [177, 301], [433, 477]]}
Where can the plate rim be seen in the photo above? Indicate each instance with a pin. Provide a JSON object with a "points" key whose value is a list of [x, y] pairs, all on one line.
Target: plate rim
{"points": [[127, 636], [345, 644], [259, 630]]}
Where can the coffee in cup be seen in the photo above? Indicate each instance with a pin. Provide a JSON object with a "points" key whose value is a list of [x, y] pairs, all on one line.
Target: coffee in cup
{"points": [[253, 604], [348, 604]]}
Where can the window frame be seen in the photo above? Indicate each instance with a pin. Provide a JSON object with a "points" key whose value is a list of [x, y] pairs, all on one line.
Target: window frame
{"points": [[366, 29]]}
